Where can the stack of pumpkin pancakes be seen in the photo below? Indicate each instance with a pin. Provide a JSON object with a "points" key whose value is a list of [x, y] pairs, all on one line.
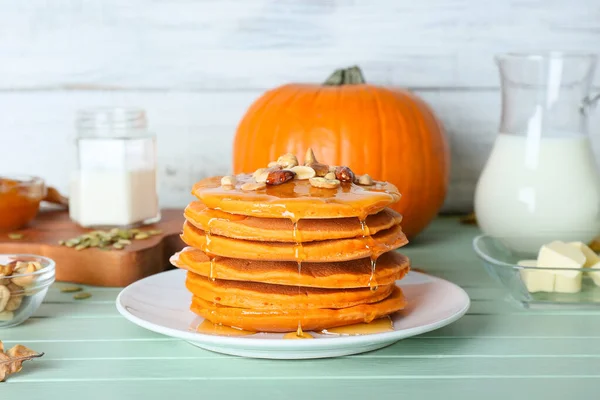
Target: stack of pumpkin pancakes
{"points": [[286, 250]]}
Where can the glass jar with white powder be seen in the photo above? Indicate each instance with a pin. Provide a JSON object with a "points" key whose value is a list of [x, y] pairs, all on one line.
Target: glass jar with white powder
{"points": [[115, 183]]}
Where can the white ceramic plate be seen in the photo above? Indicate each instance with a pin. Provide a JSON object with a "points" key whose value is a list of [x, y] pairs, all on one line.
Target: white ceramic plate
{"points": [[161, 303]]}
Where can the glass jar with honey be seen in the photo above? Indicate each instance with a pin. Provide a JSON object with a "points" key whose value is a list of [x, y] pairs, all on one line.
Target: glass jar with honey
{"points": [[20, 198]]}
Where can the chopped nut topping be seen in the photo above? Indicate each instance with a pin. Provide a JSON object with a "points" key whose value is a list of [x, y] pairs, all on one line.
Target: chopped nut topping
{"points": [[250, 186], [258, 172], [279, 177], [286, 168], [320, 169], [365, 180], [303, 172], [324, 183], [264, 173], [344, 174], [309, 158], [228, 180], [287, 160]]}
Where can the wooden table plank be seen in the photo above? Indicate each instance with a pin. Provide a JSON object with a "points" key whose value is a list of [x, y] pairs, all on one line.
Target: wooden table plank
{"points": [[250, 369], [359, 388], [518, 325], [418, 347]]}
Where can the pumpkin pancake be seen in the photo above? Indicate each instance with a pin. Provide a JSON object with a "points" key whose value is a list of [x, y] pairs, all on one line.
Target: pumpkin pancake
{"points": [[263, 296], [287, 320], [296, 199], [282, 229], [390, 267], [324, 251]]}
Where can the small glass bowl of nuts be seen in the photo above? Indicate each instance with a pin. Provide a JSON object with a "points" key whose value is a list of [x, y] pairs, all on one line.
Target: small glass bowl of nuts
{"points": [[24, 282]]}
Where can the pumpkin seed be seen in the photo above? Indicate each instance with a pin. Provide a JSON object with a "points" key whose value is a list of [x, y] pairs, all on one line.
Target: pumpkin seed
{"points": [[105, 240], [15, 236], [82, 295], [71, 289], [82, 246], [72, 242]]}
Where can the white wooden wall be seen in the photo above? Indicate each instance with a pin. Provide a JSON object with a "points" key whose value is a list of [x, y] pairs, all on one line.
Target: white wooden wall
{"points": [[195, 66]]}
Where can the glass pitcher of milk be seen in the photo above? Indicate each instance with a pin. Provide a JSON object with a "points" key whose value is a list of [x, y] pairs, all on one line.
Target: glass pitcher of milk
{"points": [[541, 181]]}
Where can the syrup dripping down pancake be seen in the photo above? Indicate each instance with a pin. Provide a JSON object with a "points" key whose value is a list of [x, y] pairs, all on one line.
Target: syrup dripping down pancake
{"points": [[391, 267], [264, 296], [282, 229], [286, 320], [324, 251], [296, 199]]}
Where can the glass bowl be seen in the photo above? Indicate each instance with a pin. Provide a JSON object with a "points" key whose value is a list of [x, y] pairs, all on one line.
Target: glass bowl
{"points": [[24, 281], [20, 197], [537, 287]]}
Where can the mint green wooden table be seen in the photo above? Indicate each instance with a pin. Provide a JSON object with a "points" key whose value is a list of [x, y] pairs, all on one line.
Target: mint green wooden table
{"points": [[493, 352]]}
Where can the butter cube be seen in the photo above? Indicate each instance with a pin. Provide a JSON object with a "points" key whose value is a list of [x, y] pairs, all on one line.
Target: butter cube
{"points": [[562, 255], [591, 258], [596, 275], [536, 280]]}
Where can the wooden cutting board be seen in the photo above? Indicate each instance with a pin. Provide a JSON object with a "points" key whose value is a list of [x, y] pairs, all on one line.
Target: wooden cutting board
{"points": [[93, 266]]}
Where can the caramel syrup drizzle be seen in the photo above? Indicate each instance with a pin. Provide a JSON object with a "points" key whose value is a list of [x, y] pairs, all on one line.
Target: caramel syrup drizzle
{"points": [[299, 255], [211, 273], [373, 250], [380, 325]]}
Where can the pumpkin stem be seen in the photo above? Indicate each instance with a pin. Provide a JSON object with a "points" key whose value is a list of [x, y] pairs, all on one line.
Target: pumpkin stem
{"points": [[346, 76]]}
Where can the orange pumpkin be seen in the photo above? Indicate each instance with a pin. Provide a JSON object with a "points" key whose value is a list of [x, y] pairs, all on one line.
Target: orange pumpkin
{"points": [[391, 134]]}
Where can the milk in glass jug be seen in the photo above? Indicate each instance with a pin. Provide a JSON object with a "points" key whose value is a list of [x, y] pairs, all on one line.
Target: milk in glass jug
{"points": [[541, 181]]}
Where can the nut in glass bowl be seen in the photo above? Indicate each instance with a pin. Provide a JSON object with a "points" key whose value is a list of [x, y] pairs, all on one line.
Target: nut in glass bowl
{"points": [[24, 282], [563, 285]]}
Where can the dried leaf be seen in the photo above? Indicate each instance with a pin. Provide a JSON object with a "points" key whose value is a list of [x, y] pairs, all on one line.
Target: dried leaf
{"points": [[82, 296], [469, 219], [15, 236], [12, 360], [71, 289]]}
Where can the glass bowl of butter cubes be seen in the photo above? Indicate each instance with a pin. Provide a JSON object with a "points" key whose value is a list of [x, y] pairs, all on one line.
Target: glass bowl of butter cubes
{"points": [[24, 282], [561, 274]]}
